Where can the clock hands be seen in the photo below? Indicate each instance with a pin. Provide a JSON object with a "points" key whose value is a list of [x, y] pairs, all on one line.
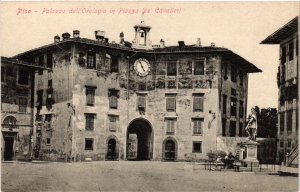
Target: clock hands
{"points": [[142, 66]]}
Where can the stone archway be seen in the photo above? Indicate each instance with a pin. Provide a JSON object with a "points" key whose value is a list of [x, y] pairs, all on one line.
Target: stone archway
{"points": [[112, 148], [139, 140], [169, 149]]}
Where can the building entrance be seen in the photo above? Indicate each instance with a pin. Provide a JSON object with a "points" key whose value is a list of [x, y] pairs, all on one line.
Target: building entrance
{"points": [[8, 148], [139, 140], [111, 149]]}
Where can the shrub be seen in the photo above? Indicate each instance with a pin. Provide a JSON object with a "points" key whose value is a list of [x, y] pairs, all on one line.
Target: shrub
{"points": [[213, 155]]}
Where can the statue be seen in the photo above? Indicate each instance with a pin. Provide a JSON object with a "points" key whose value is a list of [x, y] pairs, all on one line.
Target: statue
{"points": [[251, 127]]}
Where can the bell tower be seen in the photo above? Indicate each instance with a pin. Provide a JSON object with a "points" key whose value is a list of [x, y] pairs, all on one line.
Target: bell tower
{"points": [[142, 38]]}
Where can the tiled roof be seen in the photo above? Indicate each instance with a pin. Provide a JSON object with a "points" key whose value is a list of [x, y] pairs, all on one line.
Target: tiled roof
{"points": [[19, 62], [284, 32]]}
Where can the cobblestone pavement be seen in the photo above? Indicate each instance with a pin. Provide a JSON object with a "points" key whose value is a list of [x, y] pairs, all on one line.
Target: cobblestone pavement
{"points": [[134, 176]]}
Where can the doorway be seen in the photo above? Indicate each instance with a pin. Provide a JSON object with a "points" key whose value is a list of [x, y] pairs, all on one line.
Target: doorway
{"points": [[111, 149], [139, 140], [8, 148]]}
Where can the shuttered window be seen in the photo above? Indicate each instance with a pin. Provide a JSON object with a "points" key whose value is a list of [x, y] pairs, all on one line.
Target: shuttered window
{"points": [[90, 96], [233, 107], [281, 125], [171, 68], [113, 99], [89, 121], [22, 104], [198, 102], [171, 103], [199, 67], [170, 125], [289, 120], [91, 60], [197, 126], [113, 122], [141, 102], [291, 51]]}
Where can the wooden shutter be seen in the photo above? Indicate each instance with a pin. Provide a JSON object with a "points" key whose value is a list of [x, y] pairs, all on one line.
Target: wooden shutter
{"points": [[112, 123], [198, 103], [170, 125], [171, 103], [141, 101]]}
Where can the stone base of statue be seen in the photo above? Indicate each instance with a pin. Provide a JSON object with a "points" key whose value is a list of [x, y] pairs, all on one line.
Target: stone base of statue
{"points": [[251, 153]]}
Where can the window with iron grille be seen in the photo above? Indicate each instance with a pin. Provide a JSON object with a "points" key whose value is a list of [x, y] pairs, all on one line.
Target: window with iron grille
{"points": [[199, 66], [91, 60], [89, 144], [197, 147], [232, 130], [224, 104], [48, 141], [170, 125], [114, 67], [198, 101], [49, 60], [89, 121], [197, 125], [90, 95], [241, 109], [171, 103], [113, 96], [48, 120], [113, 120], [233, 107], [172, 68], [23, 77], [233, 73], [141, 102], [22, 104], [291, 51]]}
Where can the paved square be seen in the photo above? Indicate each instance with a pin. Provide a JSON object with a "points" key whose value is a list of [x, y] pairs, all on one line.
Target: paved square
{"points": [[134, 176]]}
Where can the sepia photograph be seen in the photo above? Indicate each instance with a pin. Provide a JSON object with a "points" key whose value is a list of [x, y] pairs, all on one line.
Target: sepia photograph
{"points": [[149, 96]]}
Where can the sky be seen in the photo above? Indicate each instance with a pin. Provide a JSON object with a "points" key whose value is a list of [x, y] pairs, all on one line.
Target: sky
{"points": [[238, 26]]}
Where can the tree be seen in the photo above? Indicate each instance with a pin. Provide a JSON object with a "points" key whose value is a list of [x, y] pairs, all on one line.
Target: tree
{"points": [[266, 122]]}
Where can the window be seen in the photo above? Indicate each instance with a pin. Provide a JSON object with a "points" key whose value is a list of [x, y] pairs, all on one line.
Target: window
{"points": [[241, 129], [91, 60], [39, 98], [289, 144], [233, 73], [224, 127], [50, 84], [281, 121], [48, 119], [197, 147], [89, 121], [22, 104], [2, 74], [199, 67], [113, 98], [225, 71], [241, 109], [23, 77], [114, 67], [225, 104], [232, 130], [113, 119], [171, 68], [297, 47], [170, 124], [241, 78], [198, 102], [89, 144], [9, 72], [49, 60], [283, 55], [48, 141], [197, 126], [141, 102], [41, 60], [171, 103], [281, 144], [233, 107], [289, 120], [233, 92], [90, 96], [291, 51]]}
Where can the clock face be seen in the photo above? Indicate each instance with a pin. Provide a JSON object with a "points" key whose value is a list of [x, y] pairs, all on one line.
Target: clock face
{"points": [[142, 67]]}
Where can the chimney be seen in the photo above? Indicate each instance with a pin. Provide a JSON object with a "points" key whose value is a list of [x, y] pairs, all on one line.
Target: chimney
{"points": [[198, 44], [162, 43], [99, 35], [122, 38], [65, 36], [56, 38], [213, 44], [181, 44], [76, 34]]}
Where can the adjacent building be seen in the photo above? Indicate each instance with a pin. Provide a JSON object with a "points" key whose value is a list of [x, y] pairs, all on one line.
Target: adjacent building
{"points": [[104, 100], [287, 80], [17, 109]]}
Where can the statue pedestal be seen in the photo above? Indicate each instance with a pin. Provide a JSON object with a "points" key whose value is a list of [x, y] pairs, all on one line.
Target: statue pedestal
{"points": [[251, 153]]}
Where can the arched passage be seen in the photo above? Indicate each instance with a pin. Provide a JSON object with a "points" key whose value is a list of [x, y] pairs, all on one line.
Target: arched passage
{"points": [[139, 140], [169, 152]]}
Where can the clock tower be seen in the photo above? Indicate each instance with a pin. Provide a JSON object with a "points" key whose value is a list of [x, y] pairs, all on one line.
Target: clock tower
{"points": [[142, 38]]}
